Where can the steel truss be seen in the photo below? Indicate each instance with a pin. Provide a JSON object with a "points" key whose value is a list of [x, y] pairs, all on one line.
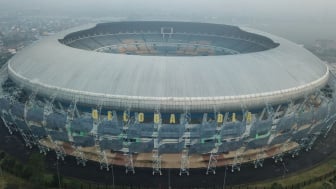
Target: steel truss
{"points": [[71, 113], [60, 152], [237, 161], [156, 162], [80, 156], [184, 162], [279, 157], [129, 163], [102, 158], [103, 161], [7, 125], [27, 139], [308, 143], [212, 163], [259, 161], [43, 149], [328, 129], [184, 168], [156, 158], [35, 140]]}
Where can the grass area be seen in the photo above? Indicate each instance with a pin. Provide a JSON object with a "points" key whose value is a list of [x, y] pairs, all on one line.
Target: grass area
{"points": [[33, 175], [303, 176], [10, 181]]}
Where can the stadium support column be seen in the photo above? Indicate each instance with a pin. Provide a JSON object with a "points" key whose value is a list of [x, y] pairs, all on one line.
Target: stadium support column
{"points": [[237, 161], [26, 139], [72, 111], [80, 156], [102, 158], [283, 149], [330, 120], [128, 156], [26, 134], [184, 163], [156, 158], [48, 109], [30, 104], [129, 163], [212, 164], [156, 162], [6, 124], [259, 161], [96, 116], [104, 164], [184, 168], [8, 113]]}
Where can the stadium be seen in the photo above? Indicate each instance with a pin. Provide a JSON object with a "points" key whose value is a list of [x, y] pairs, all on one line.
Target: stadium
{"points": [[158, 94]]}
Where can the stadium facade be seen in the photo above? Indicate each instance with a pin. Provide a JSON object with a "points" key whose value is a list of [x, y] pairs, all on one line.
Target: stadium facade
{"points": [[167, 95]]}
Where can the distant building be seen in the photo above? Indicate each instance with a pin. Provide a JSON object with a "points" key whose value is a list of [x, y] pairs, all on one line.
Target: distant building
{"points": [[325, 44]]}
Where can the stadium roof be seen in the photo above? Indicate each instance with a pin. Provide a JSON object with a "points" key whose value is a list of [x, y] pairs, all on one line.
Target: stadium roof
{"points": [[167, 82]]}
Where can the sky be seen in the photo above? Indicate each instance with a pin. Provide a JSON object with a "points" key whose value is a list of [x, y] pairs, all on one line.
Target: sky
{"points": [[300, 20]]}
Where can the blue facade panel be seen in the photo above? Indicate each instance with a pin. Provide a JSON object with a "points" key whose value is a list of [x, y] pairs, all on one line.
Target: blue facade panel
{"points": [[82, 125], [228, 146], [37, 131], [141, 147], [201, 148], [35, 115], [59, 136], [260, 127], [286, 123], [83, 141], [169, 148], [257, 143], [208, 130], [17, 110], [232, 129], [4, 104], [56, 121], [280, 139], [171, 131], [109, 128], [106, 144], [21, 125]]}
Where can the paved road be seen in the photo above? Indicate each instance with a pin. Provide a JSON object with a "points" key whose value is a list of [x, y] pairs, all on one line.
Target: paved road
{"points": [[323, 148]]}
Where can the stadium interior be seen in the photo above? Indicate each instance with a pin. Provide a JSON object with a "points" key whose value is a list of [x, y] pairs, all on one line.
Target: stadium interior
{"points": [[184, 39]]}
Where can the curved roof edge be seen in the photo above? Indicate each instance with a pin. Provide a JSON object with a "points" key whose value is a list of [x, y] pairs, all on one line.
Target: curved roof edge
{"points": [[167, 104]]}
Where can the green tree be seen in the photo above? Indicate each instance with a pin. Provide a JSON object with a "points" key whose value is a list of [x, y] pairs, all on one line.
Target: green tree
{"points": [[27, 172], [8, 163], [12, 186], [276, 186], [55, 182], [37, 165], [18, 168]]}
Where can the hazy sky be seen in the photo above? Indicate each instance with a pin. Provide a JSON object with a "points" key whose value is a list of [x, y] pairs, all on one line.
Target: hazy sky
{"points": [[306, 19]]}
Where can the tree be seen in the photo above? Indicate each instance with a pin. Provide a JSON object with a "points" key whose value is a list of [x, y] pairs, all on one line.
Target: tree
{"points": [[18, 168], [12, 186], [37, 165], [276, 186], [55, 182]]}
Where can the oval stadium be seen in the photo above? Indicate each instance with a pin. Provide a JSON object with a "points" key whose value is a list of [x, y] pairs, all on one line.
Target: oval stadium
{"points": [[158, 94]]}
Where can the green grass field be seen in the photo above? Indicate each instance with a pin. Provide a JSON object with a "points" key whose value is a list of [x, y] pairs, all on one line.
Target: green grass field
{"points": [[302, 176], [322, 175]]}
